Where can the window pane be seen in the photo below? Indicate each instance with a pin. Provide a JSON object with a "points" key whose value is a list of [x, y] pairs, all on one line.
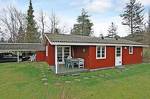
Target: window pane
{"points": [[66, 52], [98, 52], [103, 54], [118, 54], [98, 55], [103, 48], [103, 51], [98, 48]]}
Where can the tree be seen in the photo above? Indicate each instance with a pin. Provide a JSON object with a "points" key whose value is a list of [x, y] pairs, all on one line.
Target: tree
{"points": [[133, 16], [84, 26], [148, 27], [21, 35], [32, 34], [147, 30], [11, 20], [42, 23], [51, 24], [2, 36], [54, 24], [112, 31], [101, 36]]}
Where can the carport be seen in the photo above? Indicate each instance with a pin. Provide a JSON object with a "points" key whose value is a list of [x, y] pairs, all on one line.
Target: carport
{"points": [[21, 47]]}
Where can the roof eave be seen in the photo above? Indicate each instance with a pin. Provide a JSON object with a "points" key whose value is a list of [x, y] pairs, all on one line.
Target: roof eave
{"points": [[96, 44]]}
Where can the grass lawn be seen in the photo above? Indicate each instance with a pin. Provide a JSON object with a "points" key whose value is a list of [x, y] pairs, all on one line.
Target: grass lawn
{"points": [[146, 55], [23, 81]]}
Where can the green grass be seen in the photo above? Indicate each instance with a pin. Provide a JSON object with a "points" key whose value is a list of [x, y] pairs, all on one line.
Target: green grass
{"points": [[146, 55], [23, 81]]}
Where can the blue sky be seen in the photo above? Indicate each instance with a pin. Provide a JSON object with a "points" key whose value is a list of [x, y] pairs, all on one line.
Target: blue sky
{"points": [[102, 12]]}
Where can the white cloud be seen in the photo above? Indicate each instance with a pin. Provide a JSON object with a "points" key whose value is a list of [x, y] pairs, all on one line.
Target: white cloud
{"points": [[79, 2], [98, 5], [93, 5], [145, 2], [101, 26]]}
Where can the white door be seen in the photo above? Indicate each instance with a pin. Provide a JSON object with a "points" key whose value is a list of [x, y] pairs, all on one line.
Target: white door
{"points": [[62, 53], [118, 56]]}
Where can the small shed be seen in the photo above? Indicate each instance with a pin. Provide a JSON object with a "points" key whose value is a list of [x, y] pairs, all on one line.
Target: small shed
{"points": [[38, 48]]}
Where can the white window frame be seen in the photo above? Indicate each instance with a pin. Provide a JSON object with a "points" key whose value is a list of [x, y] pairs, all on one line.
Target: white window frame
{"points": [[101, 52], [63, 53], [130, 49], [46, 50]]}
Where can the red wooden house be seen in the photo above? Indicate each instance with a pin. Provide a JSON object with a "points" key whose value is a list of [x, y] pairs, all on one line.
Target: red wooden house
{"points": [[97, 53]]}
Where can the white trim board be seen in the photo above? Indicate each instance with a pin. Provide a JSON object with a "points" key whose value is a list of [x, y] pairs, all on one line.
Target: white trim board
{"points": [[56, 65], [47, 39], [95, 44]]}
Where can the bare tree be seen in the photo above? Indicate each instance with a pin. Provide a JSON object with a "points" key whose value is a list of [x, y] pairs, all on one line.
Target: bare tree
{"points": [[42, 22], [51, 24], [54, 23], [12, 20]]}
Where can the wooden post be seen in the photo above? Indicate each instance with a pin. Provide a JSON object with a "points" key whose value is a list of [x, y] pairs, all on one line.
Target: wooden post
{"points": [[18, 56], [56, 65]]}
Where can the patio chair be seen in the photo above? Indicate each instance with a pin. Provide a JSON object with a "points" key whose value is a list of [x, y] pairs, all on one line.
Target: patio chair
{"points": [[81, 63], [67, 63]]}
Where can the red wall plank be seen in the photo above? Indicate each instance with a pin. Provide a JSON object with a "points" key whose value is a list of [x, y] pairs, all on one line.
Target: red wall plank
{"points": [[101, 63], [51, 55], [134, 58], [90, 57], [40, 56]]}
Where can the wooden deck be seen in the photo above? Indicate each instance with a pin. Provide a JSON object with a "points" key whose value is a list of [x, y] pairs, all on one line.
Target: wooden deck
{"points": [[64, 70]]}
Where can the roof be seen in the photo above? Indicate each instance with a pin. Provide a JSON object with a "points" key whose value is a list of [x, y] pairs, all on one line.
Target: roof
{"points": [[63, 39], [21, 47]]}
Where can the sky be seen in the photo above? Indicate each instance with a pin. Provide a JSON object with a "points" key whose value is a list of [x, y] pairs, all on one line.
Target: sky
{"points": [[102, 12]]}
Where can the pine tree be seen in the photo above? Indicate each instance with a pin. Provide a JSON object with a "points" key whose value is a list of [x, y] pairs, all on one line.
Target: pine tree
{"points": [[112, 31], [21, 35], [133, 16], [84, 26], [32, 34], [2, 39]]}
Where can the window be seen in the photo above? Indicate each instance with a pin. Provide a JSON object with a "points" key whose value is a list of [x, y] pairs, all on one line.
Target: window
{"points": [[130, 50], [46, 50], [118, 51], [100, 52]]}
